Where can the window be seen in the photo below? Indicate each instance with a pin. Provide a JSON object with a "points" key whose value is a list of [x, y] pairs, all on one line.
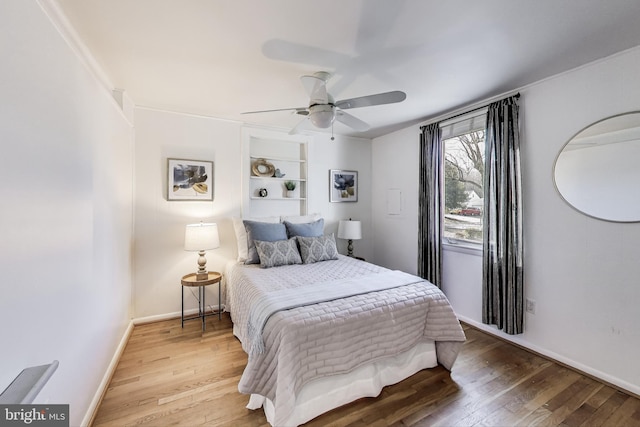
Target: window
{"points": [[464, 178]]}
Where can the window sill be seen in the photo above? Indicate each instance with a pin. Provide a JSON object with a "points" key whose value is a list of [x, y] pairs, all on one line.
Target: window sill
{"points": [[463, 247]]}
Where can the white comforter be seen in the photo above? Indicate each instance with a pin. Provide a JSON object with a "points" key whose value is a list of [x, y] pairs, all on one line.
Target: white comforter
{"points": [[333, 337]]}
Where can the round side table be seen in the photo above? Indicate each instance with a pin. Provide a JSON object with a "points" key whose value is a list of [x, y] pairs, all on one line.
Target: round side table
{"points": [[190, 280]]}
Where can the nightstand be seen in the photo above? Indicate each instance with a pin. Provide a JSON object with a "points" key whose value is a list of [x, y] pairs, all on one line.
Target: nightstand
{"points": [[191, 281]]}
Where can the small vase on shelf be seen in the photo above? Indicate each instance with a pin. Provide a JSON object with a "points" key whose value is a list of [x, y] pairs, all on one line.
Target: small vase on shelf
{"points": [[290, 186]]}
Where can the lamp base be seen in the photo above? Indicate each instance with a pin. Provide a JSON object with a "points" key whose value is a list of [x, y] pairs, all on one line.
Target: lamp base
{"points": [[202, 273]]}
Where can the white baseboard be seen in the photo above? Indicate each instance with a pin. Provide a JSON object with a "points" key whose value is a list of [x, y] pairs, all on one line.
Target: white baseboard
{"points": [[167, 316], [160, 317], [606, 378], [97, 398]]}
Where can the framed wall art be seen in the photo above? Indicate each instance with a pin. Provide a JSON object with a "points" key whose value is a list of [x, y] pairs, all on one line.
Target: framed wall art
{"points": [[189, 180], [343, 186]]}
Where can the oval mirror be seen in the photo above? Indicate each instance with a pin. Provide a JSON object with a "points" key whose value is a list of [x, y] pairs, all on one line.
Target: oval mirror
{"points": [[597, 172]]}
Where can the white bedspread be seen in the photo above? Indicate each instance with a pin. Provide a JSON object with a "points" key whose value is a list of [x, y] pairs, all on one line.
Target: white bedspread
{"points": [[334, 337]]}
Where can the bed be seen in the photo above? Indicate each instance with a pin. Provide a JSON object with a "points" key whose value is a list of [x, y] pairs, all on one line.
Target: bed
{"points": [[321, 332]]}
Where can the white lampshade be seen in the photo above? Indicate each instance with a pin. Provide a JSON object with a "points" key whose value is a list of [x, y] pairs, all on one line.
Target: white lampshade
{"points": [[201, 237], [351, 230]]}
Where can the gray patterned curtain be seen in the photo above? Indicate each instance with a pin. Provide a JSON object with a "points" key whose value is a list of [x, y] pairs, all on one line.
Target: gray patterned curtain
{"points": [[430, 220], [503, 298]]}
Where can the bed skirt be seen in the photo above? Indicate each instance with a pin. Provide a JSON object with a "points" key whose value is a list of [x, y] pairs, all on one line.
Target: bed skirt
{"points": [[325, 394]]}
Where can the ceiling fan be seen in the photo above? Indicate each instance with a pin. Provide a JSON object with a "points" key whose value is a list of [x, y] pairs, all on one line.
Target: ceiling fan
{"points": [[323, 110]]}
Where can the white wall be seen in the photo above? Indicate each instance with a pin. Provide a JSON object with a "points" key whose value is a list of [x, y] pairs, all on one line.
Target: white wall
{"points": [[348, 154], [159, 224], [582, 272], [160, 260], [65, 218], [395, 160]]}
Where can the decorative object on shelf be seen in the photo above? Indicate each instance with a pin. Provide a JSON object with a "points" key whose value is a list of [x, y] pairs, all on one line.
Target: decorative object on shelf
{"points": [[263, 192], [290, 186], [343, 186], [263, 168], [349, 230], [279, 174], [189, 180], [200, 238]]}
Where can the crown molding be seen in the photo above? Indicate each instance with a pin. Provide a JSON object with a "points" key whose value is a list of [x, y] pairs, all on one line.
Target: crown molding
{"points": [[54, 12]]}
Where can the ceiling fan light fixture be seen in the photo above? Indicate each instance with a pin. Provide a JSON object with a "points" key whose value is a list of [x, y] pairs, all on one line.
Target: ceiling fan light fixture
{"points": [[322, 116]]}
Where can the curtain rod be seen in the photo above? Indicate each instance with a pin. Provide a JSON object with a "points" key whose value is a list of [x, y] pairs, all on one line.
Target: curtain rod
{"points": [[517, 96]]}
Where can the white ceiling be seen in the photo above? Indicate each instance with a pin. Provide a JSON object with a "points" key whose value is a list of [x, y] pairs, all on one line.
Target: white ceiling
{"points": [[222, 57]]}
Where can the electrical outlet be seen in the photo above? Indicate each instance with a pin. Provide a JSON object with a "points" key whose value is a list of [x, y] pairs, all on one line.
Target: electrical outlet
{"points": [[531, 306]]}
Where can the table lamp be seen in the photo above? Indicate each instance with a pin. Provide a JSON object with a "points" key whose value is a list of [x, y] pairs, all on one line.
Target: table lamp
{"points": [[349, 230], [199, 238]]}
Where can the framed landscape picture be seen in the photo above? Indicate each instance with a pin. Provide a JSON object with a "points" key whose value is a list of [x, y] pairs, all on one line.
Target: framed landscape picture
{"points": [[189, 180], [343, 186]]}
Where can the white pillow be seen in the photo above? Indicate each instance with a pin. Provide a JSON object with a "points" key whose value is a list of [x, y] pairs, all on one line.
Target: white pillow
{"points": [[241, 234], [301, 219]]}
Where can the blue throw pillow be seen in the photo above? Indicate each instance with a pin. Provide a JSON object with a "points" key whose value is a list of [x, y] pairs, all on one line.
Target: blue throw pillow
{"points": [[309, 229], [263, 231]]}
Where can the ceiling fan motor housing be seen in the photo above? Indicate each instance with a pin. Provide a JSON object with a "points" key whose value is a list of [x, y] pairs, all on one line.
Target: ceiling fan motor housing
{"points": [[322, 115]]}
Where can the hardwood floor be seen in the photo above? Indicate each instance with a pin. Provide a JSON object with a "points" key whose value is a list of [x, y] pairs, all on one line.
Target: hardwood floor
{"points": [[173, 376]]}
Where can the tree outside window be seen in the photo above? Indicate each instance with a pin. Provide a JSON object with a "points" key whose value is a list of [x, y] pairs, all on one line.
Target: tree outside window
{"points": [[463, 188]]}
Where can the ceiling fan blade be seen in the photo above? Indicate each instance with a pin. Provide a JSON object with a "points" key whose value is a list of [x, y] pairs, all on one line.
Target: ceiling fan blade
{"points": [[316, 87], [351, 121], [371, 100], [298, 110], [299, 127]]}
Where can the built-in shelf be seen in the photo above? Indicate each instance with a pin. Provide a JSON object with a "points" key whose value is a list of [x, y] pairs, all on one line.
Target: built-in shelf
{"points": [[284, 152], [281, 199], [278, 159], [273, 178]]}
